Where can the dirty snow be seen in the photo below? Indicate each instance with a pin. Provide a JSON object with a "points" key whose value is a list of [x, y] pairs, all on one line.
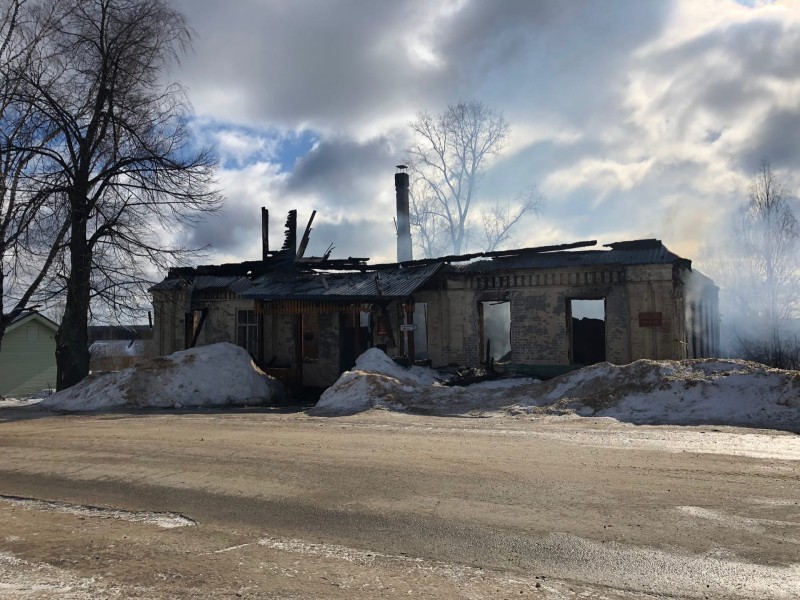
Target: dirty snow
{"points": [[726, 391], [377, 381], [165, 520], [719, 391], [219, 374]]}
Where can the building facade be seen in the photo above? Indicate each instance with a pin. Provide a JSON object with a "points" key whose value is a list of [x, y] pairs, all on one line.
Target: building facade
{"points": [[537, 310], [28, 355]]}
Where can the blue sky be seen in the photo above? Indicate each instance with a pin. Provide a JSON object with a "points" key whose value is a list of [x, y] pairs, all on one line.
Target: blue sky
{"points": [[635, 119]]}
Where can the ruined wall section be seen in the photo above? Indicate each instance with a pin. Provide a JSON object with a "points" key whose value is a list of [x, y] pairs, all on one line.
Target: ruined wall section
{"points": [[644, 313], [453, 334], [655, 303], [169, 309], [540, 328], [220, 322]]}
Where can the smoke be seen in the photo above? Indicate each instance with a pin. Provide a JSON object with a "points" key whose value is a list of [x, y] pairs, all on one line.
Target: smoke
{"points": [[755, 261]]}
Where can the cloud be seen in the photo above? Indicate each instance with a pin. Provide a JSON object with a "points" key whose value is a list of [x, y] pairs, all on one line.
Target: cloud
{"points": [[636, 119], [349, 176], [235, 232], [356, 237], [329, 67]]}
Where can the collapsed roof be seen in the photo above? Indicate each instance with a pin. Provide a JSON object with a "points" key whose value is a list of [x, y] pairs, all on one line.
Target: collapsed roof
{"points": [[288, 275]]}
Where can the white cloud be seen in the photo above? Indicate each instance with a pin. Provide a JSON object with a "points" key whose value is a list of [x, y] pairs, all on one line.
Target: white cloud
{"points": [[636, 119]]}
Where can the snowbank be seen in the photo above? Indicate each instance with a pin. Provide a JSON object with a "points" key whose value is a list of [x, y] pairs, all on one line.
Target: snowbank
{"points": [[732, 392], [377, 381], [219, 374], [722, 391]]}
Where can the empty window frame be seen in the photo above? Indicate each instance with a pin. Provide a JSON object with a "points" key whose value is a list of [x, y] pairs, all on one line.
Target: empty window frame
{"points": [[588, 330]]}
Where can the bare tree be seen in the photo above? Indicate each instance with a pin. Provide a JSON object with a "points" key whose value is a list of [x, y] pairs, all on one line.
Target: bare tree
{"points": [[120, 156], [770, 238], [431, 234], [31, 233], [498, 220], [759, 273], [448, 155]]}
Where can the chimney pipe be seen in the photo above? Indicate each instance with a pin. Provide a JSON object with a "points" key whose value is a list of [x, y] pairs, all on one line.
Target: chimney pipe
{"points": [[403, 221], [264, 233]]}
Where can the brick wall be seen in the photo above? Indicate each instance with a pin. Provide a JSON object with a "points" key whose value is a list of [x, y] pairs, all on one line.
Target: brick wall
{"points": [[540, 329]]}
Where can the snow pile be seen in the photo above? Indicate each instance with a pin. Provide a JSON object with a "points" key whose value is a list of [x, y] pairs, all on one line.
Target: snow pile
{"points": [[375, 381], [733, 392], [378, 382], [219, 374]]}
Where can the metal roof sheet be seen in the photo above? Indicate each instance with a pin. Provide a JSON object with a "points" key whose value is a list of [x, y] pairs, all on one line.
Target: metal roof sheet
{"points": [[389, 283], [642, 254], [401, 281]]}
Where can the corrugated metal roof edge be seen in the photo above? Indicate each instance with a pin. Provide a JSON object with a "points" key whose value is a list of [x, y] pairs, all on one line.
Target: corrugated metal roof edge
{"points": [[623, 249], [427, 273]]}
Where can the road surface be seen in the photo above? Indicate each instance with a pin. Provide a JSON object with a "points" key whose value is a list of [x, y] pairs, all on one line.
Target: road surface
{"points": [[259, 504]]}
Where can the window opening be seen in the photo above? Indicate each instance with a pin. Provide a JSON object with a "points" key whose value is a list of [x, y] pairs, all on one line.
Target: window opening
{"points": [[496, 328], [588, 326], [193, 323], [247, 331]]}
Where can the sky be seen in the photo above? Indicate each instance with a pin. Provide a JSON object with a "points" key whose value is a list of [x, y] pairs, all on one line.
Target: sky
{"points": [[634, 119]]}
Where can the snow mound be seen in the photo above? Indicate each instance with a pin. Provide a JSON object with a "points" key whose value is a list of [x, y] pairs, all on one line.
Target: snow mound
{"points": [[376, 361], [704, 391], [722, 391], [377, 381], [219, 374]]}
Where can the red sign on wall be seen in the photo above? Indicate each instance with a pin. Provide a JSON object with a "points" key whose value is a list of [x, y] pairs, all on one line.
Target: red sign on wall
{"points": [[650, 319]]}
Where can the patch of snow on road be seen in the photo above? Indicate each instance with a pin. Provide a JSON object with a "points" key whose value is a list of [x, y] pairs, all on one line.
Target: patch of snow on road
{"points": [[219, 374], [165, 520]]}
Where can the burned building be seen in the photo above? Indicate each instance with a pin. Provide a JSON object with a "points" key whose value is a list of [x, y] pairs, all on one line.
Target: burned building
{"points": [[536, 310]]}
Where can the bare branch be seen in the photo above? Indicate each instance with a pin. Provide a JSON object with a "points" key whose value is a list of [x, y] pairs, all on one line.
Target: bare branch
{"points": [[448, 156]]}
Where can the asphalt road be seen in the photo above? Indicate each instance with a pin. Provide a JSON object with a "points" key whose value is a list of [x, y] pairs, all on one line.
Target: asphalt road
{"points": [[390, 505]]}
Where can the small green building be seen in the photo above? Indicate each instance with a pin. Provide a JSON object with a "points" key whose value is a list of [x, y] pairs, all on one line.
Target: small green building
{"points": [[28, 355]]}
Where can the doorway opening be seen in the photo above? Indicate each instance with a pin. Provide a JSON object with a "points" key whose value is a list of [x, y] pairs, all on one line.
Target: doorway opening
{"points": [[587, 323], [495, 331], [421, 331], [354, 337]]}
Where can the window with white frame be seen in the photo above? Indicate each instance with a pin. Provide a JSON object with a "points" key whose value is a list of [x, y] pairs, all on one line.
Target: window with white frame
{"points": [[247, 331]]}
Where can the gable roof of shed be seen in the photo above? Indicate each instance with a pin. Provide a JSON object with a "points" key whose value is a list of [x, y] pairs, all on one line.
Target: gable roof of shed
{"points": [[30, 315]]}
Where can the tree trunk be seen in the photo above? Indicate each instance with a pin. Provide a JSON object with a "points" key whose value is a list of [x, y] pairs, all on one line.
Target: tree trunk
{"points": [[72, 338], [2, 305]]}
